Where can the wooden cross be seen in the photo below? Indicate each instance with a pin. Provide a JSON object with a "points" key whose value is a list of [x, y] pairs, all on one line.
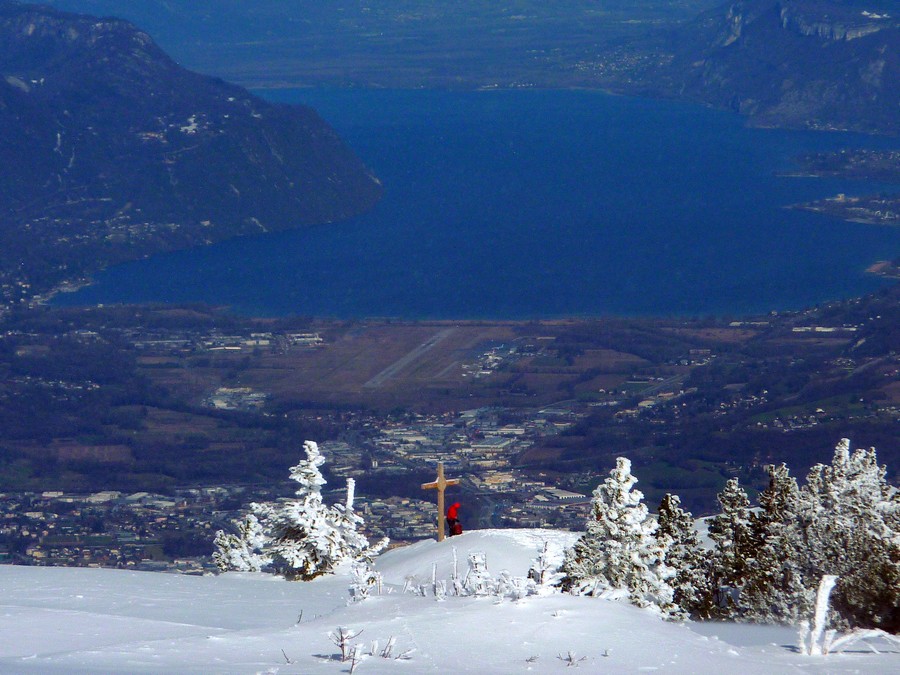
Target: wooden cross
{"points": [[440, 485]]}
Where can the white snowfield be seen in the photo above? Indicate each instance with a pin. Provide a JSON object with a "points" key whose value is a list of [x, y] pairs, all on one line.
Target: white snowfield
{"points": [[65, 620]]}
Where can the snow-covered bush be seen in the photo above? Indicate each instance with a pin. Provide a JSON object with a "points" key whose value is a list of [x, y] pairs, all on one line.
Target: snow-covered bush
{"points": [[514, 587], [343, 638], [619, 554], [849, 519], [365, 581], [244, 550], [844, 522], [545, 570], [478, 579], [301, 538]]}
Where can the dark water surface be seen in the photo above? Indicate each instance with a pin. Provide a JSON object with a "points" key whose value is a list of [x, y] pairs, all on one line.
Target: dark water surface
{"points": [[527, 204]]}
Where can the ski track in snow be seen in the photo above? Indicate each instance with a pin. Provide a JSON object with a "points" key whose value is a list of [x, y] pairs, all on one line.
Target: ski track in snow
{"points": [[58, 620]]}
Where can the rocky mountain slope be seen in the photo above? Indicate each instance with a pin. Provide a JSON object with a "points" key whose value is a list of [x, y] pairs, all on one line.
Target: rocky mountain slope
{"points": [[824, 64], [112, 151]]}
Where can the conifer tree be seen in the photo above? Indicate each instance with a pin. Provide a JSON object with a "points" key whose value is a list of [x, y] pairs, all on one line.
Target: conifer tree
{"points": [[306, 537], [683, 555], [303, 537], [733, 554], [845, 522], [618, 554], [776, 587], [850, 522]]}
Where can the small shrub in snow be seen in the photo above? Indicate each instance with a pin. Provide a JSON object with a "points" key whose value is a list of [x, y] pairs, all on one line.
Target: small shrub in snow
{"points": [[545, 570], [387, 652], [245, 550], [343, 638], [513, 587], [356, 657], [456, 584], [821, 613], [571, 660], [835, 645], [478, 580], [364, 581]]}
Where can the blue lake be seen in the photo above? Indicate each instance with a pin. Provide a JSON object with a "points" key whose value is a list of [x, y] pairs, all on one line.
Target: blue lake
{"points": [[531, 204]]}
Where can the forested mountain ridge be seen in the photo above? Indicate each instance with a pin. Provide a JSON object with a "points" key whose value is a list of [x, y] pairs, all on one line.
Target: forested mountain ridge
{"points": [[113, 152], [823, 64]]}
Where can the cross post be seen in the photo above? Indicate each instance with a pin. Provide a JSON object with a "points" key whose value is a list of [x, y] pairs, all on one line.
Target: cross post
{"points": [[440, 485]]}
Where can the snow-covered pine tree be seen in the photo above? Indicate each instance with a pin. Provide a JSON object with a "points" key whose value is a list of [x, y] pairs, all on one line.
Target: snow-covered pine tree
{"points": [[244, 551], [776, 589], [684, 555], [735, 549], [308, 537], [850, 522], [619, 555], [845, 522], [301, 538]]}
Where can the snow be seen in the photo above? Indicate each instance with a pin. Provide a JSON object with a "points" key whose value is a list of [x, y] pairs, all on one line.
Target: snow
{"points": [[61, 620], [511, 550], [825, 588]]}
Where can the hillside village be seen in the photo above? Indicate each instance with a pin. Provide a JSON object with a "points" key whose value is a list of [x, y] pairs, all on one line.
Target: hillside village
{"points": [[157, 532]]}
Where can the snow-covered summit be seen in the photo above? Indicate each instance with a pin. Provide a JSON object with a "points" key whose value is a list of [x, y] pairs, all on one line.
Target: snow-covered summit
{"points": [[89, 620], [510, 550]]}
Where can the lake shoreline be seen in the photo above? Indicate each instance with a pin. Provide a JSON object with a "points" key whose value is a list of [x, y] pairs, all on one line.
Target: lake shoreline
{"points": [[537, 204]]}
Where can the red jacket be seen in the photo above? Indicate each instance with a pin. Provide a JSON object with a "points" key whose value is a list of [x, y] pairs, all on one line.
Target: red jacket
{"points": [[453, 512]]}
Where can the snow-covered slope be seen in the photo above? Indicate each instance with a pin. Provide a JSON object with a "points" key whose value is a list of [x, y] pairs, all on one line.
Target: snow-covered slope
{"points": [[85, 620]]}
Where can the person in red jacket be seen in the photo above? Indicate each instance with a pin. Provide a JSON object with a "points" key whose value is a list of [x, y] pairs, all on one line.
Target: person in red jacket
{"points": [[453, 523]]}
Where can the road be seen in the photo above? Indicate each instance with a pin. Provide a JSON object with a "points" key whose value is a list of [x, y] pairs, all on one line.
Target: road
{"points": [[671, 383]]}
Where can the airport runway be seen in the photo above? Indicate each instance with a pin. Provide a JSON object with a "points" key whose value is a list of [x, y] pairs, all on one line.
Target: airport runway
{"points": [[404, 361]]}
